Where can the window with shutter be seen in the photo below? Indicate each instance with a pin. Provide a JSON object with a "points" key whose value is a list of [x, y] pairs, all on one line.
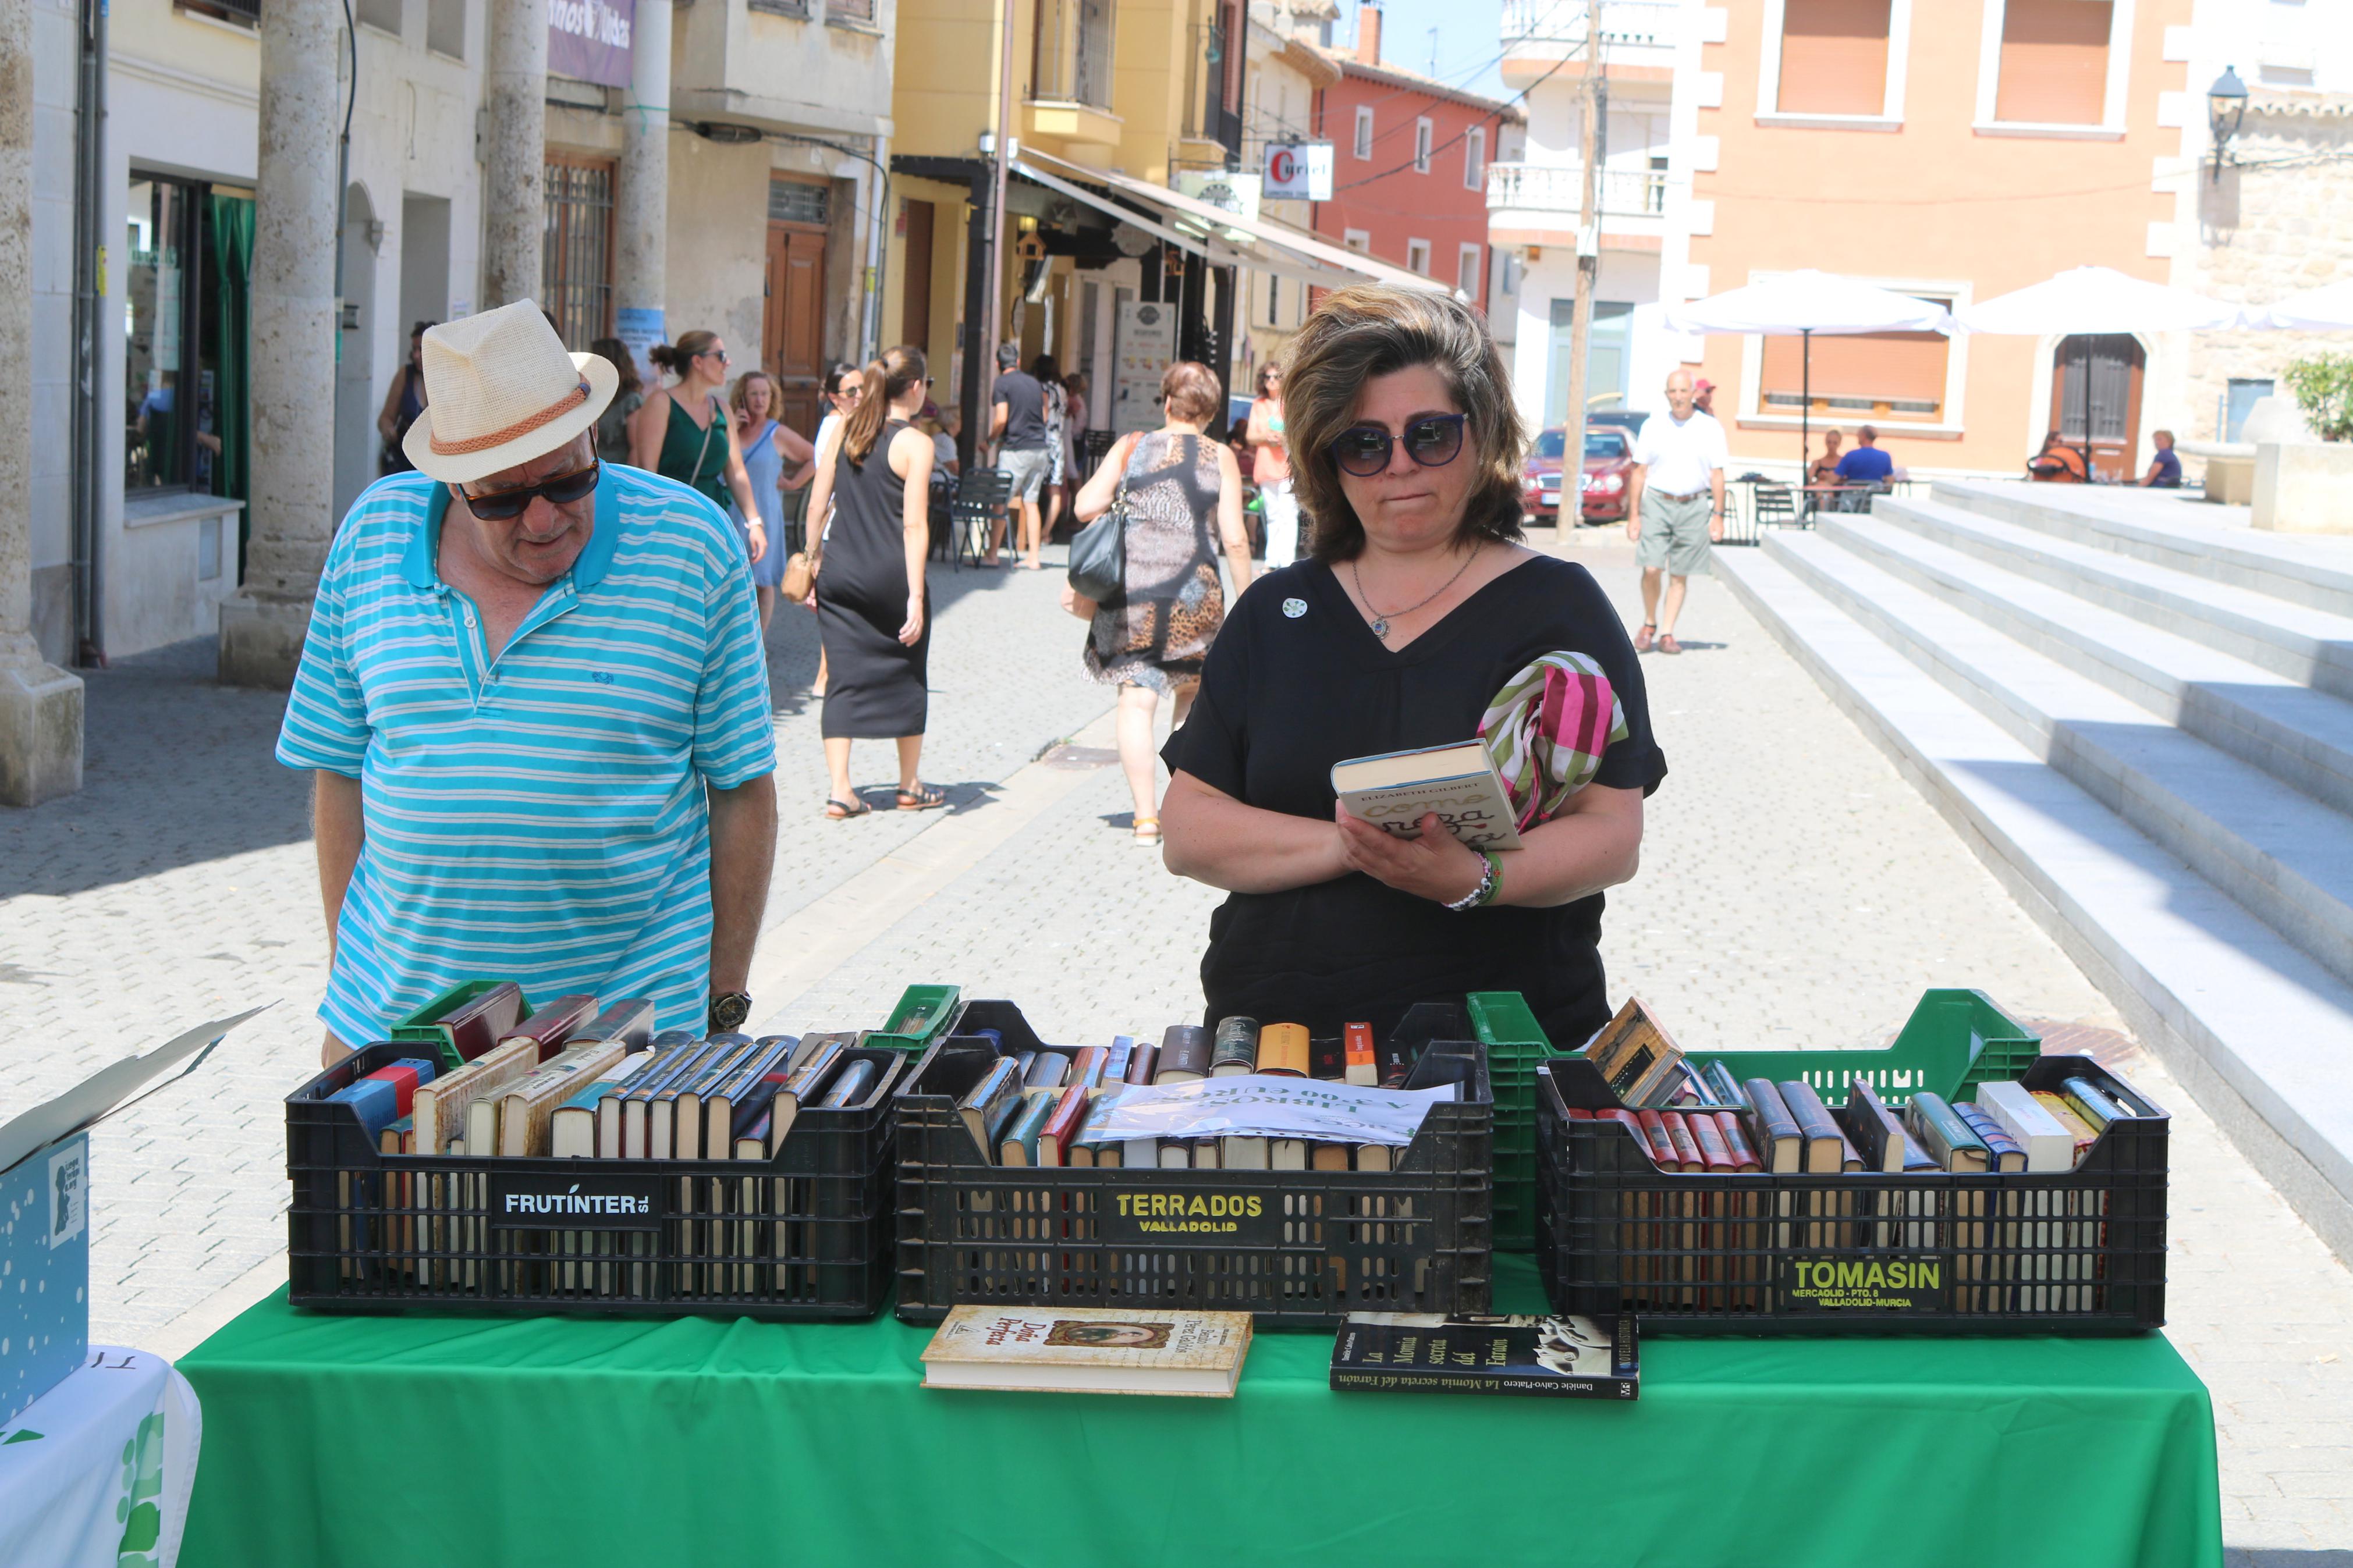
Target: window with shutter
{"points": [[1834, 57]]}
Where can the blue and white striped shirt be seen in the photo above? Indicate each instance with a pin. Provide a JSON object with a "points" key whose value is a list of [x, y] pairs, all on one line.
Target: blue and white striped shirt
{"points": [[539, 817]]}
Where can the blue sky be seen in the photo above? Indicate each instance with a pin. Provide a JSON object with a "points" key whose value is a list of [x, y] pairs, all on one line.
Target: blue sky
{"points": [[1467, 42]]}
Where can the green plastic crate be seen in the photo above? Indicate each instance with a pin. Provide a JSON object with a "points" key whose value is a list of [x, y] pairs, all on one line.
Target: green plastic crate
{"points": [[417, 1029], [1953, 1040], [922, 1016]]}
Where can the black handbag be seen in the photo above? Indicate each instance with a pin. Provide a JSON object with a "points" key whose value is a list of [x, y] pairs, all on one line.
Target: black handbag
{"points": [[1099, 553]]}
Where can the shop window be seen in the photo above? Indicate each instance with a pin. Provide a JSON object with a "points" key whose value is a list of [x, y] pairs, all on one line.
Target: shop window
{"points": [[2053, 63], [444, 27], [1834, 57], [171, 300], [576, 254], [1888, 378]]}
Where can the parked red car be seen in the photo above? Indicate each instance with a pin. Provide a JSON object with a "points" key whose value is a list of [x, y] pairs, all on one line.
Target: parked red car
{"points": [[1608, 455]]}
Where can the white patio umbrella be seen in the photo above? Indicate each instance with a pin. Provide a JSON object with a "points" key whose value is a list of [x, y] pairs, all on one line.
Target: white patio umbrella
{"points": [[2328, 310], [2087, 301], [1800, 304]]}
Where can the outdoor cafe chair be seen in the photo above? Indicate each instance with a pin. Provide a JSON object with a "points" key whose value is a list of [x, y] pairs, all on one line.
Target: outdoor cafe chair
{"points": [[979, 501]]}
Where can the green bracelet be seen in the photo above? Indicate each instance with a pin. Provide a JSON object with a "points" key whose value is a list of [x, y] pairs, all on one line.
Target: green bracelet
{"points": [[1494, 879]]}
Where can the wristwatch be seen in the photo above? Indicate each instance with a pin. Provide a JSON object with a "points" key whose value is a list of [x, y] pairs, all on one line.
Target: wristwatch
{"points": [[728, 1011]]}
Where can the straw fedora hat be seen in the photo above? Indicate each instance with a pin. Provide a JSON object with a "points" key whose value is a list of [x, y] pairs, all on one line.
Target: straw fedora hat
{"points": [[500, 390]]}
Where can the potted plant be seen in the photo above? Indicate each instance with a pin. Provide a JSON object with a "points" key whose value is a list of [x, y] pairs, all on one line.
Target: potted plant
{"points": [[2307, 487]]}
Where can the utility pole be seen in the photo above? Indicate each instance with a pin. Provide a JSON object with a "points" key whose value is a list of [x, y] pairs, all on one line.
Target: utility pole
{"points": [[1592, 105], [1003, 156]]}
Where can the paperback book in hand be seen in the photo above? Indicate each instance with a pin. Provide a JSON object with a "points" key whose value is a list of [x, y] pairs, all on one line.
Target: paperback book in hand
{"points": [[1416, 1352]]}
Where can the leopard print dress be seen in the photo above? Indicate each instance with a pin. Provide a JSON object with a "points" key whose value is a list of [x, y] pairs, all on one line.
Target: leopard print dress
{"points": [[1157, 630]]}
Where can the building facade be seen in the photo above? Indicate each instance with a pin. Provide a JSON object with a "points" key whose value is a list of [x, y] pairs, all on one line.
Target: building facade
{"points": [[758, 219]]}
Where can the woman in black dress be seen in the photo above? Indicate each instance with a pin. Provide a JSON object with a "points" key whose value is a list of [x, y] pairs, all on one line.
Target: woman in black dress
{"points": [[1415, 608], [875, 470]]}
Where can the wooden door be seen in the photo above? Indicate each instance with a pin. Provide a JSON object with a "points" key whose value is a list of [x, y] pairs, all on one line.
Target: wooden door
{"points": [[2116, 362], [794, 325], [915, 259]]}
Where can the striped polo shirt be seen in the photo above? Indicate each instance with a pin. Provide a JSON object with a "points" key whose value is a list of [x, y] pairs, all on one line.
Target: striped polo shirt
{"points": [[539, 817]]}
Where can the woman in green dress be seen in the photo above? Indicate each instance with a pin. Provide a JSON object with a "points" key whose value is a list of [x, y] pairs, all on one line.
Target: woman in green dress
{"points": [[683, 433]]}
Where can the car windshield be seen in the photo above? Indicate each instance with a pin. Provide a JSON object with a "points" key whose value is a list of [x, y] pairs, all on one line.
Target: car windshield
{"points": [[1605, 443], [1552, 444]]}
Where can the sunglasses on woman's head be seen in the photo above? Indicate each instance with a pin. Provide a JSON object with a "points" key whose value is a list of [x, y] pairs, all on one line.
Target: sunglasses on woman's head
{"points": [[1432, 442], [501, 505]]}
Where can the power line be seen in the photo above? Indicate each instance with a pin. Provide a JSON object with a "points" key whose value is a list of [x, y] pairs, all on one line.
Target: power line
{"points": [[1496, 116]]}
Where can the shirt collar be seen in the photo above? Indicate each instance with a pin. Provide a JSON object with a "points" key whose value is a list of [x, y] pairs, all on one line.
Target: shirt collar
{"points": [[596, 556]]}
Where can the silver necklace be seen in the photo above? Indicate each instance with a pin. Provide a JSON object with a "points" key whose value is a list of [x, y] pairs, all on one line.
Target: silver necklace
{"points": [[1381, 620]]}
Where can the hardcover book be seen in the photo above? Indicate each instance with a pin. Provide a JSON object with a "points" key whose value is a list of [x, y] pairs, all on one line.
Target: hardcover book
{"points": [[1183, 1056], [1634, 1055], [1089, 1349], [1395, 790], [478, 1025], [1560, 1357]]}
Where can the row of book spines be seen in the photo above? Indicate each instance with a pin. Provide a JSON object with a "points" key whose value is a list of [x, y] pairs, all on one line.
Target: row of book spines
{"points": [[1186, 1052], [1684, 1141]]}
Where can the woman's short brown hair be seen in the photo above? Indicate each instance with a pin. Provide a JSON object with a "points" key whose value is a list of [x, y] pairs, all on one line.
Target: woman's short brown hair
{"points": [[1188, 391], [1373, 329]]}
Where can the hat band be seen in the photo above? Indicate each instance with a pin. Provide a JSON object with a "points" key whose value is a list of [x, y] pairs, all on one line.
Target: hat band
{"points": [[521, 427]]}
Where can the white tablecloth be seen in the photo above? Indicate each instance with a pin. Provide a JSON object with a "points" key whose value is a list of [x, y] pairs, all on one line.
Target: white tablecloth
{"points": [[96, 1473]]}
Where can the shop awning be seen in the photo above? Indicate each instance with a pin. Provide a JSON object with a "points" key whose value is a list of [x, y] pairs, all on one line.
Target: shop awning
{"points": [[1222, 236]]}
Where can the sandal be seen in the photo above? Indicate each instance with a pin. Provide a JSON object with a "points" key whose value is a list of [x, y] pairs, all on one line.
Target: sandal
{"points": [[922, 798], [842, 810], [1148, 831], [1643, 638], [1667, 643]]}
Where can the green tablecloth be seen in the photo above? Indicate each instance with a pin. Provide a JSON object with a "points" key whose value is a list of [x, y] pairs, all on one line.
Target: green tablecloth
{"points": [[573, 1443]]}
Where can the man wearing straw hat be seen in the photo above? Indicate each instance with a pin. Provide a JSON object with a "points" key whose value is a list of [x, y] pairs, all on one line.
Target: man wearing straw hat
{"points": [[536, 704]]}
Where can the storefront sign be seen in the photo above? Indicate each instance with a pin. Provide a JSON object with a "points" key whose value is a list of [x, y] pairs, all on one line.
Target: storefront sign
{"points": [[591, 39], [1299, 171], [1236, 193], [1147, 343]]}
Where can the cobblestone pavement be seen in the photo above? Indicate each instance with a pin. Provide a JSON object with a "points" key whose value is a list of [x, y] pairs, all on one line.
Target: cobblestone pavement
{"points": [[179, 886], [181, 881]]}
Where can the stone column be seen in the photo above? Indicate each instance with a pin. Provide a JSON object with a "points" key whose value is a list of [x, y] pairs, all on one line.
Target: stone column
{"points": [[640, 279], [514, 194], [293, 372], [40, 705]]}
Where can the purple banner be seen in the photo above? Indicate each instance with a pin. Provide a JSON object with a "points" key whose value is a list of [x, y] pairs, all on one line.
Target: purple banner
{"points": [[590, 39]]}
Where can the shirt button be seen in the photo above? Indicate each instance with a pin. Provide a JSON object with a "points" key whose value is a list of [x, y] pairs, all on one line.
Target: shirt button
{"points": [[470, 617]]}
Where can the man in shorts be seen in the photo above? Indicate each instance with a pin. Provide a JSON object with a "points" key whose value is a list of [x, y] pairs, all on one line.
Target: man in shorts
{"points": [[1675, 509], [1017, 422]]}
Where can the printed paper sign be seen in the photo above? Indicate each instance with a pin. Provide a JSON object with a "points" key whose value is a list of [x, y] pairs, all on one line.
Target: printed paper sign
{"points": [[1254, 1106], [68, 1193]]}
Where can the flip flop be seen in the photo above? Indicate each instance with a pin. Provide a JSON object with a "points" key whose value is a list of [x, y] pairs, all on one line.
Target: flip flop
{"points": [[922, 798], [842, 810], [1643, 638], [1667, 643]]}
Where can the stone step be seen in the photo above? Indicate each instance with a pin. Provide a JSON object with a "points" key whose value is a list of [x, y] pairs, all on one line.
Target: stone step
{"points": [[2260, 1032], [2310, 646], [2285, 856], [2300, 736], [2170, 530]]}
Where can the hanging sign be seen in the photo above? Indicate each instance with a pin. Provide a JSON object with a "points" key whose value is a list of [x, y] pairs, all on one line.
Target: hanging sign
{"points": [[591, 40], [1236, 193], [1298, 172]]}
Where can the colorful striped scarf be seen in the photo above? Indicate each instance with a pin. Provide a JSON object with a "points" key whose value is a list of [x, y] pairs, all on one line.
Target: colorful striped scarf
{"points": [[1546, 732]]}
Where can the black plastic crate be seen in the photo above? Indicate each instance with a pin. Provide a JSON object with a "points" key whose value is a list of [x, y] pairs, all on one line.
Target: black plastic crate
{"points": [[1306, 1247], [2072, 1253], [804, 1234]]}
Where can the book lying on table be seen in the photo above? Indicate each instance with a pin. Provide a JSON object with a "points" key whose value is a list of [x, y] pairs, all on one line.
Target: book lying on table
{"points": [[1414, 1352], [1089, 1349], [1395, 790]]}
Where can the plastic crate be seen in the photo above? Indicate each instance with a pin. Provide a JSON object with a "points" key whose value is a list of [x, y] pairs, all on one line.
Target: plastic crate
{"points": [[922, 1017], [804, 1234], [1955, 1038], [2073, 1252], [1307, 1248], [417, 1029], [1516, 1047]]}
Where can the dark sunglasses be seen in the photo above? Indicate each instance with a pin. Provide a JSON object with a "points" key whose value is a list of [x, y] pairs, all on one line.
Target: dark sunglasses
{"points": [[1432, 442], [560, 491]]}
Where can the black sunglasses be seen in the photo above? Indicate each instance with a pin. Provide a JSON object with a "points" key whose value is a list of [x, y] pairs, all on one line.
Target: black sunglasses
{"points": [[1432, 442], [561, 489]]}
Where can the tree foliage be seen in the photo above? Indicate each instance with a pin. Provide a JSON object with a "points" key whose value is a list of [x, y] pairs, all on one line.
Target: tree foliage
{"points": [[2323, 387]]}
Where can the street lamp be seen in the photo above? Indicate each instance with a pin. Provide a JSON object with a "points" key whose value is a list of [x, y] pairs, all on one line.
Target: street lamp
{"points": [[2226, 106]]}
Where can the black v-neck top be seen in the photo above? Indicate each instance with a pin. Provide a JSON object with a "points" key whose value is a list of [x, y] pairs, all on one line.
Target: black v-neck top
{"points": [[1296, 682]]}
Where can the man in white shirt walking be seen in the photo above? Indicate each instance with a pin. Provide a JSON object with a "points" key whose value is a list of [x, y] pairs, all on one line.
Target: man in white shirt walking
{"points": [[1677, 509]]}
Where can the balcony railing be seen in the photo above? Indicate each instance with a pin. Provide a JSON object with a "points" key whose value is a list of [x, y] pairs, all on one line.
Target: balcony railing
{"points": [[1635, 24], [1560, 188], [1071, 62]]}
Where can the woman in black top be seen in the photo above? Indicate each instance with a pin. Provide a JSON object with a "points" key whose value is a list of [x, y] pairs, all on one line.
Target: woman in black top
{"points": [[875, 469], [1417, 608]]}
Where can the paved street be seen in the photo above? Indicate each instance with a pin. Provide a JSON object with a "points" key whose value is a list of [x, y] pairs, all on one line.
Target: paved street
{"points": [[1795, 890]]}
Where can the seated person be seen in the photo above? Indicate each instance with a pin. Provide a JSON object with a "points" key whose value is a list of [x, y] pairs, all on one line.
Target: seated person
{"points": [[1823, 470], [2165, 468], [1866, 465], [2056, 464]]}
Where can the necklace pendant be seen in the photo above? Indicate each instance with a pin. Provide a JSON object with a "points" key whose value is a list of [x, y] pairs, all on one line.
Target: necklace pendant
{"points": [[1381, 628]]}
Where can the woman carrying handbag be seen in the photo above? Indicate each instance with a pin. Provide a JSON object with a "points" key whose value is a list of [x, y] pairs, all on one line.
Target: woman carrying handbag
{"points": [[1150, 635]]}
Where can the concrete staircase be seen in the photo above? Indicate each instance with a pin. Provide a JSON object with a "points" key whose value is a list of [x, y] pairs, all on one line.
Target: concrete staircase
{"points": [[2139, 713]]}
